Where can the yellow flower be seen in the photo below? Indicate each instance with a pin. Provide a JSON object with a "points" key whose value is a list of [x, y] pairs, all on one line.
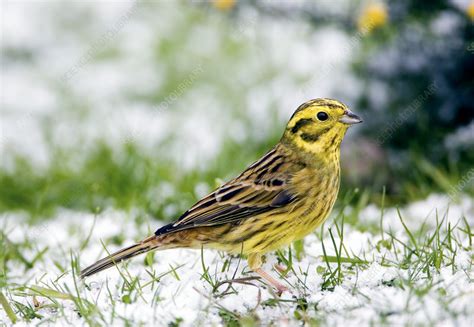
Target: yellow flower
{"points": [[470, 10], [374, 15], [223, 4]]}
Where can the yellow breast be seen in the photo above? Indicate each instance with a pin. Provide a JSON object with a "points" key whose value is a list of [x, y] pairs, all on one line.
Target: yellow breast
{"points": [[317, 191]]}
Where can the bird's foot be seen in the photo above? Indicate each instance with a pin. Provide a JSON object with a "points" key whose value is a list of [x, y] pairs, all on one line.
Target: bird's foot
{"points": [[280, 288]]}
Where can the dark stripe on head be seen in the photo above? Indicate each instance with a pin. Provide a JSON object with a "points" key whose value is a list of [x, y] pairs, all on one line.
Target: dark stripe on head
{"points": [[314, 137], [310, 137], [331, 104], [334, 106], [321, 102], [303, 107], [300, 123]]}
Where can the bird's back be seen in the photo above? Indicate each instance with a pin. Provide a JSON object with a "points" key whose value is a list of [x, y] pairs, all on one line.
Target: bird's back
{"points": [[278, 199]]}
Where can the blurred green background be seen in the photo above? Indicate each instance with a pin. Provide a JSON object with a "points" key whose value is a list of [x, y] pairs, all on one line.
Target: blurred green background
{"points": [[151, 104]]}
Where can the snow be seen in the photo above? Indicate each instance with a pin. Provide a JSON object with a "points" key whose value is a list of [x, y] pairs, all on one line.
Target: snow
{"points": [[364, 296], [440, 205]]}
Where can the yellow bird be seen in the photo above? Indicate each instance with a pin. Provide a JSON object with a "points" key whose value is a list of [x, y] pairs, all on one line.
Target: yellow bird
{"points": [[279, 199]]}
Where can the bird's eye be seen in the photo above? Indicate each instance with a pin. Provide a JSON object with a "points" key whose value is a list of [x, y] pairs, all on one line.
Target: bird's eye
{"points": [[322, 116]]}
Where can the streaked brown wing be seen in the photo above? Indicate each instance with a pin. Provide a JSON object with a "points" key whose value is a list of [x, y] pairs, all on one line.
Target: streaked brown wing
{"points": [[260, 188]]}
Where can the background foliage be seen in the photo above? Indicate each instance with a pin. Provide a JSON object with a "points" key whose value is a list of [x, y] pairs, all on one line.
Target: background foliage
{"points": [[151, 111]]}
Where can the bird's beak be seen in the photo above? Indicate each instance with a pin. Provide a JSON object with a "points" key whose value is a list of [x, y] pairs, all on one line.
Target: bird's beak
{"points": [[350, 118]]}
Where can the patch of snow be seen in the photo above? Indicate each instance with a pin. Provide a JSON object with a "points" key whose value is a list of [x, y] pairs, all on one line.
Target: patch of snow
{"points": [[438, 205], [365, 296]]}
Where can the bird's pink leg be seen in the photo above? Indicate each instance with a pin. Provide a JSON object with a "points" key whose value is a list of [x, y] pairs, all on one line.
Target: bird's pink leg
{"points": [[271, 280]]}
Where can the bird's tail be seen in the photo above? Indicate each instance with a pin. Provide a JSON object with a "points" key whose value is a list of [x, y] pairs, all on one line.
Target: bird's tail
{"points": [[146, 245]]}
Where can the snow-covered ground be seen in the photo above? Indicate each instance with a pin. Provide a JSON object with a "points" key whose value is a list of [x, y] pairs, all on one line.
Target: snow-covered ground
{"points": [[385, 283]]}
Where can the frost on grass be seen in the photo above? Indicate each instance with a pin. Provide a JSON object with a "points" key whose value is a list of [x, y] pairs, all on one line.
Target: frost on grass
{"points": [[418, 270]]}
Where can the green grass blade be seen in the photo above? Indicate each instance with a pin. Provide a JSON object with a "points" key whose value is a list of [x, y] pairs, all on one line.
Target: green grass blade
{"points": [[8, 309]]}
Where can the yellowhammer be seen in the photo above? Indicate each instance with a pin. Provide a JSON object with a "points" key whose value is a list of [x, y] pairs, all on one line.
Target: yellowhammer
{"points": [[279, 199]]}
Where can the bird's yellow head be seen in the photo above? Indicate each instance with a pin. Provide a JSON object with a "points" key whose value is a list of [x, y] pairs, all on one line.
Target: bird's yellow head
{"points": [[319, 125]]}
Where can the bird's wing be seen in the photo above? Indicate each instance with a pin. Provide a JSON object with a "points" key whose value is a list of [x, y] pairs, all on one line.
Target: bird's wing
{"points": [[260, 188]]}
